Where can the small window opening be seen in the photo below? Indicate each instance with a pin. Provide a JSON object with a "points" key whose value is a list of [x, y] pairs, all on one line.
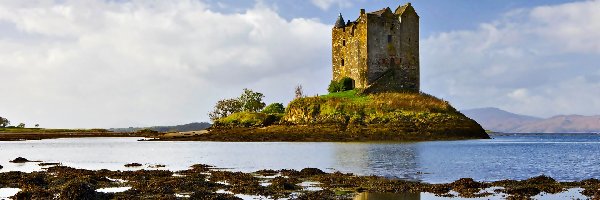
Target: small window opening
{"points": [[342, 62], [344, 42], [389, 38]]}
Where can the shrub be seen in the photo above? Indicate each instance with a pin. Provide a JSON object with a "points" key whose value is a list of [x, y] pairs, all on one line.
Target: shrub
{"points": [[249, 101], [346, 84], [334, 86], [274, 108], [248, 119], [224, 108], [343, 84], [4, 122]]}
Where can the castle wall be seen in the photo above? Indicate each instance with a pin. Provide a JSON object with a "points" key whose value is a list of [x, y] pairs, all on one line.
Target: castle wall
{"points": [[353, 53], [383, 45], [410, 50]]}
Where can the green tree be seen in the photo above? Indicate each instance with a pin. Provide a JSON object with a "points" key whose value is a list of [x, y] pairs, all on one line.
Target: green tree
{"points": [[21, 125], [274, 108], [334, 86], [4, 122], [225, 107], [252, 101], [343, 84]]}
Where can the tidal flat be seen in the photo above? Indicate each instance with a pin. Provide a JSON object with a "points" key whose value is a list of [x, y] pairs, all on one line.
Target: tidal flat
{"points": [[208, 182]]}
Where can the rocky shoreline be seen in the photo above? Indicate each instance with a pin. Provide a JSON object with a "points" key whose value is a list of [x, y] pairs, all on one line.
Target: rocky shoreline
{"points": [[207, 182], [329, 133]]}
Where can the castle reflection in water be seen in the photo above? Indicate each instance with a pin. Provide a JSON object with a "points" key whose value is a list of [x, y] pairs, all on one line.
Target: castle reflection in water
{"points": [[381, 159]]}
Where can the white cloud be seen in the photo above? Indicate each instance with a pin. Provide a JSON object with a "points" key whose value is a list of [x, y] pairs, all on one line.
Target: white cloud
{"points": [[540, 61], [326, 4], [98, 63]]}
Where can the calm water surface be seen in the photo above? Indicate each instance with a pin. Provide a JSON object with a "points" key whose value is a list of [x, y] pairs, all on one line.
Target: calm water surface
{"points": [[565, 157]]}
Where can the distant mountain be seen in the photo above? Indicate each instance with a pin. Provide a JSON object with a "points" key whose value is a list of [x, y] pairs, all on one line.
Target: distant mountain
{"points": [[502, 121], [179, 128], [499, 120], [563, 124]]}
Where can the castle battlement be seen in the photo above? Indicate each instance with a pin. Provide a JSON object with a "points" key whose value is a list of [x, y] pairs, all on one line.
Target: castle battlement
{"points": [[379, 50]]}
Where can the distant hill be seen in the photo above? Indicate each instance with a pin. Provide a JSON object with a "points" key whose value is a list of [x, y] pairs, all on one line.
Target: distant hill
{"points": [[563, 124], [499, 120], [179, 128], [502, 121]]}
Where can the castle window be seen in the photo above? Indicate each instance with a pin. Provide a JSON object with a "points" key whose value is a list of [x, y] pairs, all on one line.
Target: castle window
{"points": [[344, 42], [342, 62], [389, 38]]}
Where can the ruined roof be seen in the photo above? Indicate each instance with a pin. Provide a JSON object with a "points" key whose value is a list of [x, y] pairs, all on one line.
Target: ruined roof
{"points": [[340, 22], [380, 12], [401, 9]]}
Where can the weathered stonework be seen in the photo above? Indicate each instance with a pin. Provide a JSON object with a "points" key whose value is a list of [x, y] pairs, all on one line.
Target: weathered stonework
{"points": [[379, 51]]}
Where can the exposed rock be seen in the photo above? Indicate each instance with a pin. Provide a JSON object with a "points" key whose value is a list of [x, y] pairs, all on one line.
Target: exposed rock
{"points": [[20, 160], [133, 165]]}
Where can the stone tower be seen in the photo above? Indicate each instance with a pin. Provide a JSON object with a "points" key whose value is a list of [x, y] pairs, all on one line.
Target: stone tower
{"points": [[379, 51]]}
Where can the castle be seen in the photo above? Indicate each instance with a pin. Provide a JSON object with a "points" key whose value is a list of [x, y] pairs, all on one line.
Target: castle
{"points": [[379, 51]]}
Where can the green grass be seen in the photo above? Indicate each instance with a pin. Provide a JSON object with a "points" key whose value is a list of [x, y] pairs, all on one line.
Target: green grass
{"points": [[249, 119], [351, 107], [350, 96]]}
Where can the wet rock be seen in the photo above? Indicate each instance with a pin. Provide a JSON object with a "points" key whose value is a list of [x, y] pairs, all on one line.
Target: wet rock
{"points": [[201, 167], [267, 172], [133, 165], [467, 187], [48, 164], [541, 180], [20, 160], [35, 179], [157, 166], [523, 191], [591, 188], [284, 184], [206, 195], [34, 193], [321, 195], [311, 172], [77, 189]]}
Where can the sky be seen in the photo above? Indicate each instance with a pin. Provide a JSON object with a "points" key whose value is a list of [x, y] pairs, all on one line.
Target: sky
{"points": [[122, 63]]}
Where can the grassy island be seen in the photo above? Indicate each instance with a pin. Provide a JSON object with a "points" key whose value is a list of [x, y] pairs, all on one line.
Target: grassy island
{"points": [[350, 116]]}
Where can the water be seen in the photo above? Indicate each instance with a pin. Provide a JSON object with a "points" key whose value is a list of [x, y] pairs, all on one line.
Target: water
{"points": [[565, 157]]}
